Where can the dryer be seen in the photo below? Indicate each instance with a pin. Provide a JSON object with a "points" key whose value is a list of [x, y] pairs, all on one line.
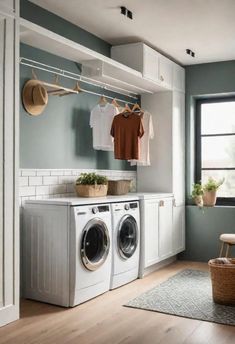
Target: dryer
{"points": [[126, 243], [66, 251]]}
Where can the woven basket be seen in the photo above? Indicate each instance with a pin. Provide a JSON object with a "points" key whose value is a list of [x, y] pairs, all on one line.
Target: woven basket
{"points": [[91, 190], [119, 187], [223, 282]]}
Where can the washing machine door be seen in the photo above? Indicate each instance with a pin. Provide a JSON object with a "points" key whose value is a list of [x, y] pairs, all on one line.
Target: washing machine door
{"points": [[95, 244], [127, 236]]}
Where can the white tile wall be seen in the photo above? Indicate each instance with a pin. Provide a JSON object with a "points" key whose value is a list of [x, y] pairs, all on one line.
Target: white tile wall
{"points": [[42, 183]]}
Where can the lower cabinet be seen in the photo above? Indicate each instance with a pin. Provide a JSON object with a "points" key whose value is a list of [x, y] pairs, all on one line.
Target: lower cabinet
{"points": [[149, 231], [162, 231], [165, 230], [178, 228]]}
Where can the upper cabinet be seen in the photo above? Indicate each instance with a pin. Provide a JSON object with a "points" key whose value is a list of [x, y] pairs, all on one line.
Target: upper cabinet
{"points": [[153, 65], [8, 6], [178, 78], [165, 71]]}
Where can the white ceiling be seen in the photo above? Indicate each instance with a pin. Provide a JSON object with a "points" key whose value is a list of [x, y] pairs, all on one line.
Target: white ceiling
{"points": [[205, 26]]}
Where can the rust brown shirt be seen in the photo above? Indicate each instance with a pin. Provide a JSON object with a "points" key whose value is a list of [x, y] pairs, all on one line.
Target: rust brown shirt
{"points": [[127, 129]]}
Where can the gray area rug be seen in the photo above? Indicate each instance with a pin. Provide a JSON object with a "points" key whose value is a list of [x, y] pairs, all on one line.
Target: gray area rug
{"points": [[186, 294]]}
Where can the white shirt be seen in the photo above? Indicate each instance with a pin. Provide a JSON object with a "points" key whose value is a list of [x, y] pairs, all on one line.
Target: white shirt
{"points": [[144, 158], [101, 119]]}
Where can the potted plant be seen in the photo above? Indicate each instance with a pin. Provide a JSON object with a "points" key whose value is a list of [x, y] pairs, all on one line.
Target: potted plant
{"points": [[91, 185], [209, 191], [197, 194]]}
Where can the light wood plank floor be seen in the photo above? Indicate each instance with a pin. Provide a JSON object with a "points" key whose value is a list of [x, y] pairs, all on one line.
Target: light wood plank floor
{"points": [[104, 320]]}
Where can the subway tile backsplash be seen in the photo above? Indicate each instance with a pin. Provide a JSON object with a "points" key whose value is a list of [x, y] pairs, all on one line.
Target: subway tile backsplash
{"points": [[45, 183]]}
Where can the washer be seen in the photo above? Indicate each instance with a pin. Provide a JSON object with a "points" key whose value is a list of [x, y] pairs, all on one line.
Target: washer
{"points": [[66, 251], [126, 243]]}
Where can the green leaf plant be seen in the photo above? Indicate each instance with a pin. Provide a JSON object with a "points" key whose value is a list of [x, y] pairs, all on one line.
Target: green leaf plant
{"points": [[91, 179]]}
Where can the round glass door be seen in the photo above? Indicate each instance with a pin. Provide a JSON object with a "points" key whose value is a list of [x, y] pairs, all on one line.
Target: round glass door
{"points": [[127, 236], [95, 244]]}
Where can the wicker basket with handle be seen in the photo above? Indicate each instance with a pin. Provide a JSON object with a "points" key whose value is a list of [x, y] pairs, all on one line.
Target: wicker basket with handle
{"points": [[119, 187], [223, 281]]}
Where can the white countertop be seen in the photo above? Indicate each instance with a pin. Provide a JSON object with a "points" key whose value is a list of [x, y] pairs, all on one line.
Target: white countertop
{"points": [[73, 201]]}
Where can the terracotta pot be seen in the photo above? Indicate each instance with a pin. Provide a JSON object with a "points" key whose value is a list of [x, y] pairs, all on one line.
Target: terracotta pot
{"points": [[198, 201], [209, 198]]}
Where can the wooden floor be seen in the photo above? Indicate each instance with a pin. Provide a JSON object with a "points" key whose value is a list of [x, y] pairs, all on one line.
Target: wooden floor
{"points": [[104, 320]]}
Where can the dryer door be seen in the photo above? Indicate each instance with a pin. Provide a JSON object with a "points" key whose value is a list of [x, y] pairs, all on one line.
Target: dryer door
{"points": [[95, 244], [127, 236]]}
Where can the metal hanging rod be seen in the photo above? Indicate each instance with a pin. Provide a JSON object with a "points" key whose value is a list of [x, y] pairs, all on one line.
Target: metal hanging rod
{"points": [[66, 74]]}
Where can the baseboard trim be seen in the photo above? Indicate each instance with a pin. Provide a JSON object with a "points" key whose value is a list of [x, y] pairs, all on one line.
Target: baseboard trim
{"points": [[158, 266]]}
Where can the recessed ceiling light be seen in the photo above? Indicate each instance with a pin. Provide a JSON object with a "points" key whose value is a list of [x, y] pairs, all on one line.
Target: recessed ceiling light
{"points": [[190, 52]]}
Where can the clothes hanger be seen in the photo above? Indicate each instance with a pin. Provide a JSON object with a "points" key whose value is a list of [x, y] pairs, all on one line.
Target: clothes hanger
{"points": [[103, 101], [136, 108], [127, 108], [126, 111], [115, 103], [54, 89], [77, 89]]}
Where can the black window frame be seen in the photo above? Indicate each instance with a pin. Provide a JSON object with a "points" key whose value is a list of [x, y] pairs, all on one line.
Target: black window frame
{"points": [[198, 168]]}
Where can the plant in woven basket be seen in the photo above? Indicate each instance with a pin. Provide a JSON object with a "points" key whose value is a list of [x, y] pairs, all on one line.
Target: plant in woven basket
{"points": [[91, 179], [91, 185]]}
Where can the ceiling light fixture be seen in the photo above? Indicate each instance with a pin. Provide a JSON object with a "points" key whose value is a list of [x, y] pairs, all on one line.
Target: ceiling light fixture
{"points": [[190, 52], [123, 10], [126, 12]]}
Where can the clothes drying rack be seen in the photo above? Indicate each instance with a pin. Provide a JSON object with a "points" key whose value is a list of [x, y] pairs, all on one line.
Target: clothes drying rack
{"points": [[77, 77]]}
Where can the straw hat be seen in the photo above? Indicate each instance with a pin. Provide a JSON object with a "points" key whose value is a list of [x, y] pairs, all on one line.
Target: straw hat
{"points": [[34, 97]]}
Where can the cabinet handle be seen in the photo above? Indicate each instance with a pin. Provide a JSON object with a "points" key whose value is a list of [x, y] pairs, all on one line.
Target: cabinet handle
{"points": [[161, 78], [174, 203], [161, 204]]}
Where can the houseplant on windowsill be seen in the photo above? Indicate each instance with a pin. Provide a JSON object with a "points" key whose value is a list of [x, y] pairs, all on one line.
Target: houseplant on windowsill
{"points": [[91, 185], [197, 194], [209, 191]]}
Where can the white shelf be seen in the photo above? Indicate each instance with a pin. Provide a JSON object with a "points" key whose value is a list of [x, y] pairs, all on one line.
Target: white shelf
{"points": [[116, 73]]}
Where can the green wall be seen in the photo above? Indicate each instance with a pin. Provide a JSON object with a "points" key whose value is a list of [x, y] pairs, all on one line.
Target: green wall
{"points": [[204, 227], [61, 136]]}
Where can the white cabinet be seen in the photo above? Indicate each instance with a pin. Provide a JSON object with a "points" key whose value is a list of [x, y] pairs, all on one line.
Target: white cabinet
{"points": [[167, 170], [165, 229], [165, 71], [8, 6], [178, 229], [162, 229], [149, 230], [140, 57], [178, 78], [150, 67], [146, 60], [9, 216], [156, 230]]}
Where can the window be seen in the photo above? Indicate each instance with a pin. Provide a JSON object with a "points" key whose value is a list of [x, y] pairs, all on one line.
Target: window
{"points": [[215, 148]]}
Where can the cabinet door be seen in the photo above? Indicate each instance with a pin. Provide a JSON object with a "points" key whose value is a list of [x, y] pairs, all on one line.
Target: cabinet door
{"points": [[151, 64], [165, 228], [165, 71], [178, 229], [178, 147], [150, 232], [9, 227], [178, 78], [7, 6]]}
